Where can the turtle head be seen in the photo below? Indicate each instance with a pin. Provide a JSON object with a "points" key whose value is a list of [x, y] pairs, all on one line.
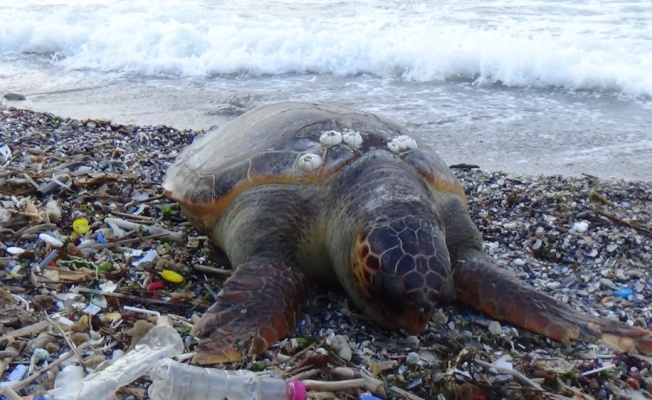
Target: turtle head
{"points": [[402, 270]]}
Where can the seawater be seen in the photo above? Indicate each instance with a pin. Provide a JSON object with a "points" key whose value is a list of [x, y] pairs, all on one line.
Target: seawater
{"points": [[527, 86]]}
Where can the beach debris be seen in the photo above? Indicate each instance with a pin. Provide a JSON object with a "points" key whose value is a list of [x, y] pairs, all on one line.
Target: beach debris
{"points": [[109, 175], [50, 240], [171, 276], [5, 152], [149, 256], [80, 226], [160, 342]]}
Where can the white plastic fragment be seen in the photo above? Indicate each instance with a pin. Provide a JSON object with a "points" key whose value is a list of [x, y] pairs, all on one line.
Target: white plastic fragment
{"points": [[331, 138], [159, 343], [61, 320], [18, 373], [108, 287], [580, 227], [117, 231], [141, 310], [86, 243], [5, 152], [14, 251], [139, 210], [133, 253], [99, 302], [51, 240], [503, 362], [149, 256], [352, 138], [140, 196], [309, 162]]}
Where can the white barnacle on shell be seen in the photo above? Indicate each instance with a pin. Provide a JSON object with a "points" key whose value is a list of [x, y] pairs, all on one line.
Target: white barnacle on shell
{"points": [[393, 147], [352, 138], [402, 143], [309, 162], [331, 138]]}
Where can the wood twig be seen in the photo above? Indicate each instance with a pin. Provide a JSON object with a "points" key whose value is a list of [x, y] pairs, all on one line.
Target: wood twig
{"points": [[68, 341], [516, 374], [623, 222]]}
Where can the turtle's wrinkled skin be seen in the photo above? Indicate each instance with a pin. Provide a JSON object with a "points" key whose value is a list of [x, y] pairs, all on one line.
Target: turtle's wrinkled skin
{"points": [[299, 192]]}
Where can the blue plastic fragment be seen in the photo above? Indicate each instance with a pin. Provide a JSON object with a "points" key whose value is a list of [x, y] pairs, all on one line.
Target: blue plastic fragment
{"points": [[100, 238], [39, 398], [369, 397], [623, 292]]}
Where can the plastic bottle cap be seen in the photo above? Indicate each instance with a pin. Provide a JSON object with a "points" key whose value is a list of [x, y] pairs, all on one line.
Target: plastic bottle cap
{"points": [[297, 390]]}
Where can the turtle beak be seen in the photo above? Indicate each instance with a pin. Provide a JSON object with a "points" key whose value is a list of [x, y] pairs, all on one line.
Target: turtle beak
{"points": [[413, 320]]}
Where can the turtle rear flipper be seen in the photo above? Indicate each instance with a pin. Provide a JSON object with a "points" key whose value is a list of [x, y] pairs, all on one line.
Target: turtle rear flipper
{"points": [[486, 287], [259, 304]]}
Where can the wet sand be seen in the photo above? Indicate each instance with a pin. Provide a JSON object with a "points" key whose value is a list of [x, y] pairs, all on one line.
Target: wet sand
{"points": [[528, 151]]}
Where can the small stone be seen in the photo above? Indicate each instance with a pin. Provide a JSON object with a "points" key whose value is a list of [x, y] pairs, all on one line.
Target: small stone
{"points": [[495, 328], [412, 358], [14, 96], [607, 283], [612, 247], [553, 285], [79, 337], [340, 345], [428, 356], [440, 317]]}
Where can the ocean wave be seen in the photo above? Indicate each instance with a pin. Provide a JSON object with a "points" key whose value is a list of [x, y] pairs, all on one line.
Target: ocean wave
{"points": [[154, 40]]}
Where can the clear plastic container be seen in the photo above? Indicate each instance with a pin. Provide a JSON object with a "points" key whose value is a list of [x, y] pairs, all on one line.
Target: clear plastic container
{"points": [[172, 380], [160, 342]]}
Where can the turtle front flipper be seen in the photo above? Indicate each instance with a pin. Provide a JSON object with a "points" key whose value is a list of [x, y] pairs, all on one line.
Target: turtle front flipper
{"points": [[259, 304], [484, 286]]}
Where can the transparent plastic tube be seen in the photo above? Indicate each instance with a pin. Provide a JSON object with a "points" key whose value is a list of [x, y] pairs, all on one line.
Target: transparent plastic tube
{"points": [[174, 380]]}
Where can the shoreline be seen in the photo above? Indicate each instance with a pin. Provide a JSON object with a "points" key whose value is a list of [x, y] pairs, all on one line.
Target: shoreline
{"points": [[516, 151]]}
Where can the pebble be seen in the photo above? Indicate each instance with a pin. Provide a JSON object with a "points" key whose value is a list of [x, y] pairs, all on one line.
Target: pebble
{"points": [[14, 96], [608, 283], [495, 328], [340, 345], [412, 358]]}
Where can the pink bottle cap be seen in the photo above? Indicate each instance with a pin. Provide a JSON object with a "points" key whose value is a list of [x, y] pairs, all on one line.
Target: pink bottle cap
{"points": [[296, 390]]}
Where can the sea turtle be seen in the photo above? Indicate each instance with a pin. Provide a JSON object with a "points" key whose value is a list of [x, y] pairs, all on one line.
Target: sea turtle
{"points": [[299, 192]]}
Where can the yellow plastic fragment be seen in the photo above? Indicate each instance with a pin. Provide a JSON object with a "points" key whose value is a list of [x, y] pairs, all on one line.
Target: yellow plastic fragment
{"points": [[171, 276], [80, 226]]}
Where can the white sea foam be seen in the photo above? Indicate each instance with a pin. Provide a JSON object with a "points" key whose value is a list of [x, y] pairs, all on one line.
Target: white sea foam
{"points": [[579, 45]]}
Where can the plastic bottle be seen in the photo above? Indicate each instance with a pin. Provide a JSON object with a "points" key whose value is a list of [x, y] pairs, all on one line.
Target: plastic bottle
{"points": [[172, 380], [160, 342]]}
